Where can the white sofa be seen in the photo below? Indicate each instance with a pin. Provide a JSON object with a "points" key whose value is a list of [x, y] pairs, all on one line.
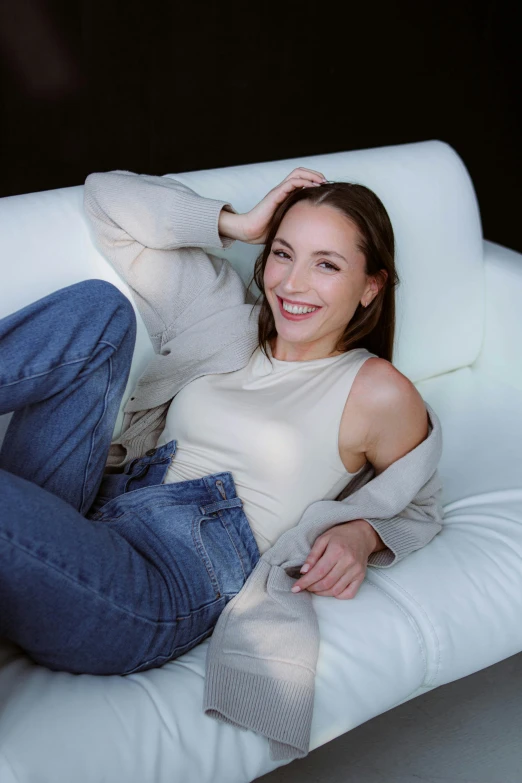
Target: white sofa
{"points": [[446, 611]]}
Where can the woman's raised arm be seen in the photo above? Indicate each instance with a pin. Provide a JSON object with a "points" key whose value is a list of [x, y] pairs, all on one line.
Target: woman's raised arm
{"points": [[160, 213], [152, 230]]}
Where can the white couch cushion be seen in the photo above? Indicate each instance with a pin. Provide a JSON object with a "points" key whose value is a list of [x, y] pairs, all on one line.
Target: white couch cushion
{"points": [[58, 727], [445, 611]]}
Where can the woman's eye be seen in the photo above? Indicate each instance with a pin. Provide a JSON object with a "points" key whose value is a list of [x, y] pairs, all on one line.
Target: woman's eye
{"points": [[280, 253], [330, 265]]}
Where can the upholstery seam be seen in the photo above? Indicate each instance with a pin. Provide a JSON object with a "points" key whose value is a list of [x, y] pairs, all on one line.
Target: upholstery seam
{"points": [[413, 624], [10, 766], [428, 622]]}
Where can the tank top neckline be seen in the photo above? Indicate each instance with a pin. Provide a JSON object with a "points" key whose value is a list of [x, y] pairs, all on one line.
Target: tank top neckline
{"points": [[324, 360], [281, 363]]}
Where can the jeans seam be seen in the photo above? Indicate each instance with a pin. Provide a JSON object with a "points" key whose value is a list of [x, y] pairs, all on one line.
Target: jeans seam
{"points": [[173, 654], [46, 372], [199, 546], [96, 427], [85, 587], [225, 524], [52, 369]]}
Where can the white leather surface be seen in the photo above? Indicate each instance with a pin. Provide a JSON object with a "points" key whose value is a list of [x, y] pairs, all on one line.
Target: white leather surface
{"points": [[150, 726], [501, 352], [442, 613]]}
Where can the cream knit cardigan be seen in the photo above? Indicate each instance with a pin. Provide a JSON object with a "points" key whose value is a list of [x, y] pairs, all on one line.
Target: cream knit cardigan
{"points": [[153, 231]]}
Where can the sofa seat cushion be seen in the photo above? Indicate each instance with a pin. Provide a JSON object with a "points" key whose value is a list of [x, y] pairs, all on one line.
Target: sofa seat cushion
{"points": [[464, 590], [150, 726]]}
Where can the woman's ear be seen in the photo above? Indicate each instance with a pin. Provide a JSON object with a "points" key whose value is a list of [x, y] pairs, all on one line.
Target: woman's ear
{"points": [[375, 284], [381, 278]]}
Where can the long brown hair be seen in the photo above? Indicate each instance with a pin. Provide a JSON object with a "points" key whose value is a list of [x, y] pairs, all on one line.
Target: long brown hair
{"points": [[371, 327]]}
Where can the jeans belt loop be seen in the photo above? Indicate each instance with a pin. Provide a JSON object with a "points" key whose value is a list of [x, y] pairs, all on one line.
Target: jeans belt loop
{"points": [[221, 505]]}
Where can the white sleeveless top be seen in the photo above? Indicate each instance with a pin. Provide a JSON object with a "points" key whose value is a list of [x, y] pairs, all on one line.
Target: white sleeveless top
{"points": [[275, 428]]}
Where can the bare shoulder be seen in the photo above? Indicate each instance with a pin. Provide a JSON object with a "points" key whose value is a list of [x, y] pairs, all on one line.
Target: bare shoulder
{"points": [[392, 414]]}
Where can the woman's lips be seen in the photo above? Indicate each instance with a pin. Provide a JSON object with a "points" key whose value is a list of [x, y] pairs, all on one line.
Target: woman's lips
{"points": [[291, 316]]}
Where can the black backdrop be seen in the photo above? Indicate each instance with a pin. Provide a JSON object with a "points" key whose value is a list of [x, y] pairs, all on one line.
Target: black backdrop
{"points": [[163, 87]]}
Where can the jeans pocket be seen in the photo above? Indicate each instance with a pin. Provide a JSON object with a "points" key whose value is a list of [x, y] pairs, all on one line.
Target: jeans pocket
{"points": [[219, 555]]}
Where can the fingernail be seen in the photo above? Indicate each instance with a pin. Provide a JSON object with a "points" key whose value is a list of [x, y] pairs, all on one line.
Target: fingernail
{"points": [[296, 589], [305, 568]]}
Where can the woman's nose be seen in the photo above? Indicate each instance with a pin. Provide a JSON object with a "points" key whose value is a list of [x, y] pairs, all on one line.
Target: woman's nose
{"points": [[296, 278]]}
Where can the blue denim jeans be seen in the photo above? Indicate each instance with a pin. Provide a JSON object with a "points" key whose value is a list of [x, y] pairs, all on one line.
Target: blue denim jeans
{"points": [[101, 573]]}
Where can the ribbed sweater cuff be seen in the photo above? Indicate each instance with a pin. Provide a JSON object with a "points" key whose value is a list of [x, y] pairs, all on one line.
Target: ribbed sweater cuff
{"points": [[402, 537], [278, 709], [201, 223]]}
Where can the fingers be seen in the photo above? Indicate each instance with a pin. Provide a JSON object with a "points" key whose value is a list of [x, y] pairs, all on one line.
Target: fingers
{"points": [[308, 175], [341, 591], [255, 222], [332, 568], [351, 590], [302, 169], [291, 183], [324, 575], [316, 551], [316, 565], [298, 178]]}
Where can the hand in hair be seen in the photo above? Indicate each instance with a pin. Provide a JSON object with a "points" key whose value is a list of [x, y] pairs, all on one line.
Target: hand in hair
{"points": [[252, 226]]}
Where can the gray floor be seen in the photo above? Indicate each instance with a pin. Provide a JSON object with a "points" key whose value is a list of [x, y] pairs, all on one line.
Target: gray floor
{"points": [[469, 731]]}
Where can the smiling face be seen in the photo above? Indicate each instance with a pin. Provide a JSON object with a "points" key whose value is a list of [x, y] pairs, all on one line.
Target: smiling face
{"points": [[314, 260]]}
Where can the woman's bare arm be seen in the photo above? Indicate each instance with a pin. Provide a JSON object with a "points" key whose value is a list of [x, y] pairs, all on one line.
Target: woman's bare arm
{"points": [[391, 421], [395, 412]]}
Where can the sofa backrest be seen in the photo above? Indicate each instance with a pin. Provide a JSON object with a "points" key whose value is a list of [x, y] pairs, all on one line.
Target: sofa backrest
{"points": [[45, 243]]}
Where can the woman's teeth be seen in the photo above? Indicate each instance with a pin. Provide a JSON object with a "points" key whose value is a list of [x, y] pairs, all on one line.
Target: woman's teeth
{"points": [[297, 309]]}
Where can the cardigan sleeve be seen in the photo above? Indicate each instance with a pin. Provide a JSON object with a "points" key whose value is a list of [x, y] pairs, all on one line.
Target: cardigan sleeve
{"points": [[152, 230], [412, 529]]}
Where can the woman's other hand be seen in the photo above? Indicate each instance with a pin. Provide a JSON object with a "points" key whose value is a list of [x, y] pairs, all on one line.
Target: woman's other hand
{"points": [[252, 226], [338, 559]]}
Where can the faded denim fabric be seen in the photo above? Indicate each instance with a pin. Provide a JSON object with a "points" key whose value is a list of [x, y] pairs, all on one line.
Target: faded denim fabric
{"points": [[101, 574]]}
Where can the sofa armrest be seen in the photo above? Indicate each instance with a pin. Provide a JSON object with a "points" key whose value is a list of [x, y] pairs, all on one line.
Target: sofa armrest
{"points": [[501, 352]]}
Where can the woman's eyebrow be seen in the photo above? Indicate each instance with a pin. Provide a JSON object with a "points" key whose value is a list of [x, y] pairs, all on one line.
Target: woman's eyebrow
{"points": [[315, 253]]}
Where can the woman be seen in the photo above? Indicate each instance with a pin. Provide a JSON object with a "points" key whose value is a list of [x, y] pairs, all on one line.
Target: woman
{"points": [[176, 544]]}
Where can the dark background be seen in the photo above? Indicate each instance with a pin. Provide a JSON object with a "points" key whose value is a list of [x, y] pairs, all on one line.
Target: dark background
{"points": [[164, 87]]}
